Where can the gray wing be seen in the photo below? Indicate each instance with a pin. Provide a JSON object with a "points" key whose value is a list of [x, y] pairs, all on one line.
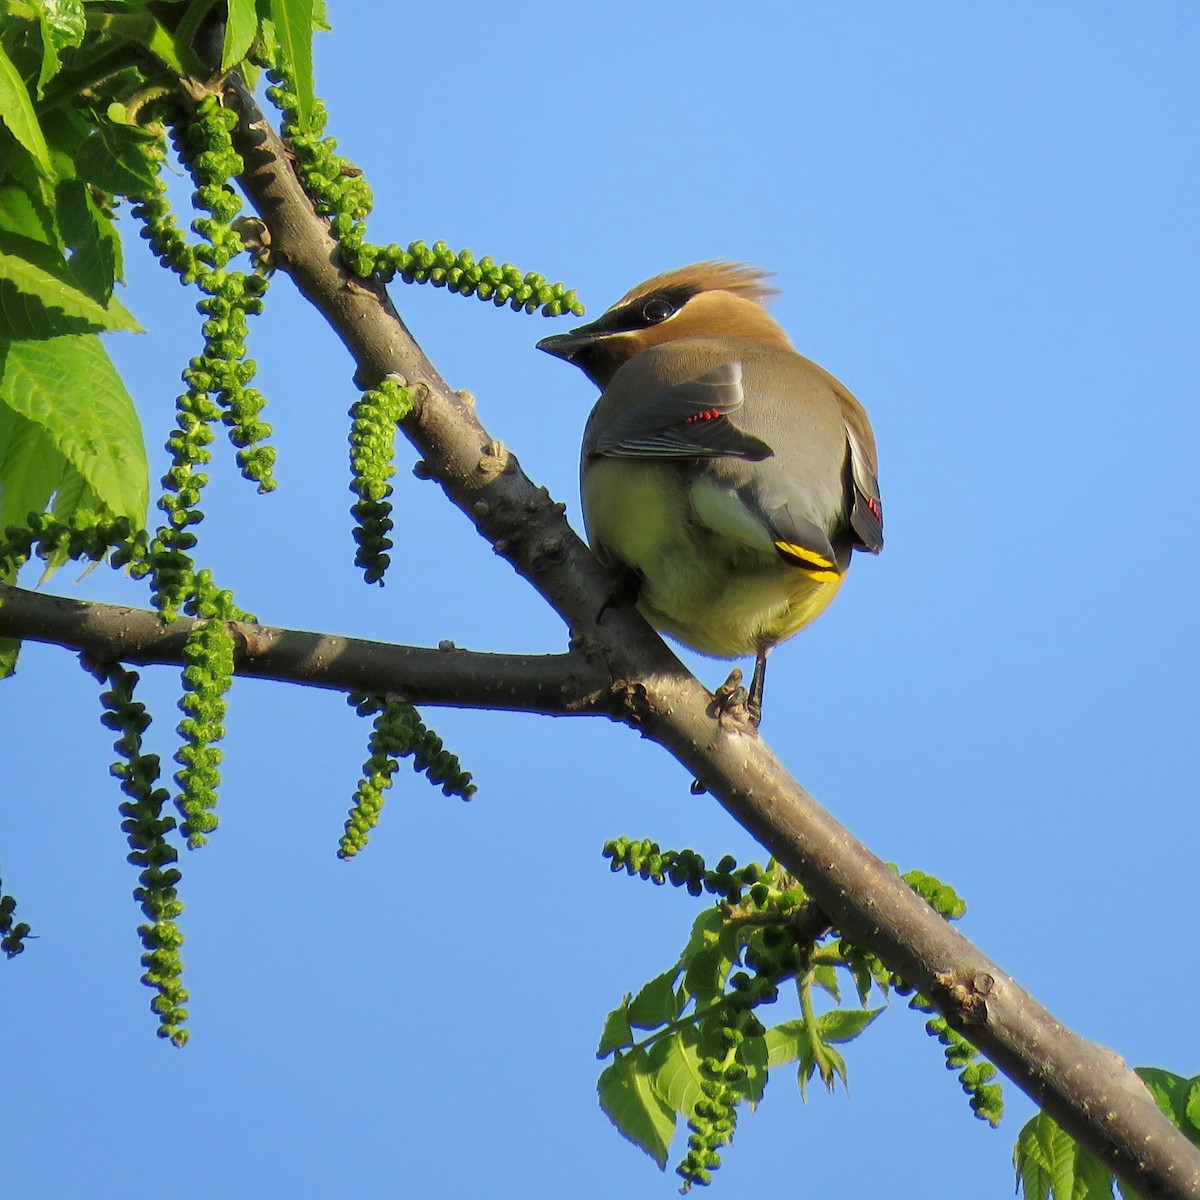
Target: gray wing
{"points": [[866, 511], [685, 420]]}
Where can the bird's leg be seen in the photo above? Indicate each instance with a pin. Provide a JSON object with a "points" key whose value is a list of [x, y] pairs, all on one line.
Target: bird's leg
{"points": [[625, 590], [755, 701]]}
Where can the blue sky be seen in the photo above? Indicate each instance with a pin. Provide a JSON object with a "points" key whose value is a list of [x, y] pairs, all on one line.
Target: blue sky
{"points": [[983, 222]]}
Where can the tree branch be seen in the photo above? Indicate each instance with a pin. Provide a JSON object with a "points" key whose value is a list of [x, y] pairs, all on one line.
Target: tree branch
{"points": [[1084, 1087], [559, 685]]}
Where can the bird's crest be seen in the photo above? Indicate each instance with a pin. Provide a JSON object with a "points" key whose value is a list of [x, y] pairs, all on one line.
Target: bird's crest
{"points": [[716, 275]]}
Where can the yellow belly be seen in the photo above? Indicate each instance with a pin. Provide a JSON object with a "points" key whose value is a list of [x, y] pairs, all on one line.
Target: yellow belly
{"points": [[711, 591]]}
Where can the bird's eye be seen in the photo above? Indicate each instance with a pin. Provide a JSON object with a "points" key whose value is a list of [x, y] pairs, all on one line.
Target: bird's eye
{"points": [[657, 310]]}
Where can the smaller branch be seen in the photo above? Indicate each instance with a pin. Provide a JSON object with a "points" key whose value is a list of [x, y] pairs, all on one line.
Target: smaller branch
{"points": [[571, 684]]}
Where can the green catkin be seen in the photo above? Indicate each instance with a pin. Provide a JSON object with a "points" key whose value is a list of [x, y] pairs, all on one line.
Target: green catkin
{"points": [[773, 951], [12, 933], [373, 421], [223, 369], [975, 1073], [198, 756], [390, 740], [398, 732], [686, 869], [206, 679], [724, 1075], [439, 765], [341, 194], [216, 389], [217, 378], [146, 828]]}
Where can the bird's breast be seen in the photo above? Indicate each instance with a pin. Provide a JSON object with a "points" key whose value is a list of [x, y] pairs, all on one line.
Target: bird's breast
{"points": [[710, 574]]}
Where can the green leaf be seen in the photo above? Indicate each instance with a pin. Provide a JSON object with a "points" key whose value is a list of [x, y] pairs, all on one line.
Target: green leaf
{"points": [[825, 977], [754, 1055], [69, 386], [830, 1064], [75, 495], [294, 30], [675, 1065], [656, 1004], [709, 956], [22, 213], [616, 1034], [39, 300], [793, 1041], [9, 649], [845, 1024], [31, 469], [631, 1103], [93, 240], [116, 158], [1050, 1163], [241, 28], [1191, 1109], [16, 111], [787, 1042], [63, 24], [861, 974]]}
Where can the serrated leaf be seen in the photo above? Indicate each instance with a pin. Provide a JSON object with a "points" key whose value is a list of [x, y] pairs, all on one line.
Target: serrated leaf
{"points": [[862, 979], [825, 977], [1032, 1166], [1051, 1164], [93, 240], [830, 1064], [31, 469], [63, 24], [1191, 1108], [705, 929], [709, 956], [675, 1066], [805, 1070], [754, 1055], [16, 111], [114, 159], [656, 1004], [616, 1034], [39, 300], [786, 1042], [241, 28], [69, 386], [845, 1024], [23, 214], [75, 495], [9, 649], [294, 32], [631, 1103]]}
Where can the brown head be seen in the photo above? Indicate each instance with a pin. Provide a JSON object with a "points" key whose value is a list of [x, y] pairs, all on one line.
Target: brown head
{"points": [[702, 300]]}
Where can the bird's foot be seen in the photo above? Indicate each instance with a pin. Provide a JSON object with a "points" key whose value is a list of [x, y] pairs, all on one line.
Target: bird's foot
{"points": [[733, 706]]}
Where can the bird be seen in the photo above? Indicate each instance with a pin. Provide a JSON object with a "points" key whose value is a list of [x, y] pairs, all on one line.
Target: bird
{"points": [[722, 473]]}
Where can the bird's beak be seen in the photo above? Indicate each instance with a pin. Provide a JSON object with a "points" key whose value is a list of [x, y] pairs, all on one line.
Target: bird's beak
{"points": [[567, 345]]}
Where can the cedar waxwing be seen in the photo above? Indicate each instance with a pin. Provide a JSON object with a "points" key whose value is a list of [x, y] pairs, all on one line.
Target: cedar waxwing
{"points": [[728, 474]]}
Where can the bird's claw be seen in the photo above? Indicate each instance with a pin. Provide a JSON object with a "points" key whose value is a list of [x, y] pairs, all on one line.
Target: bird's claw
{"points": [[732, 705]]}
